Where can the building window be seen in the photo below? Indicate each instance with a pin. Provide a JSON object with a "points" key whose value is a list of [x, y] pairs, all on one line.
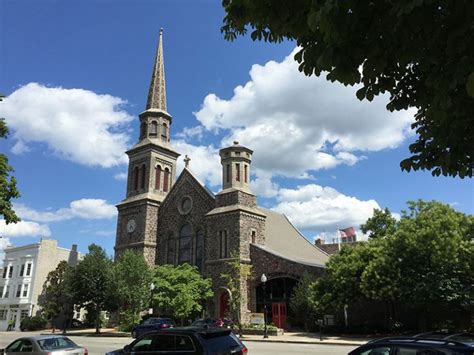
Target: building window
{"points": [[10, 271], [246, 173], [7, 291], [24, 313], [223, 244], [28, 269], [22, 270], [199, 250], [142, 185], [228, 172], [157, 177], [237, 172], [135, 178], [166, 180], [171, 250], [164, 132], [5, 272], [154, 128], [142, 130], [25, 290], [18, 291], [3, 314], [254, 237], [185, 240]]}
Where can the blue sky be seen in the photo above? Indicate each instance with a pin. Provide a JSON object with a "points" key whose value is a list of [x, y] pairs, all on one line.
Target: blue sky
{"points": [[76, 74]]}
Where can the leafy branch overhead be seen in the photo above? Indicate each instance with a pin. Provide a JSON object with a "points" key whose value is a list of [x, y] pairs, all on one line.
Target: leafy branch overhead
{"points": [[8, 189], [420, 52]]}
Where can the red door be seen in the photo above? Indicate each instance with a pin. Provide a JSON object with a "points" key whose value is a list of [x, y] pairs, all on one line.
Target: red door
{"points": [[279, 314], [223, 304]]}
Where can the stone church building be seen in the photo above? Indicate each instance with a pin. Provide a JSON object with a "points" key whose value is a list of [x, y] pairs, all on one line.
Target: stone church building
{"points": [[175, 219]]}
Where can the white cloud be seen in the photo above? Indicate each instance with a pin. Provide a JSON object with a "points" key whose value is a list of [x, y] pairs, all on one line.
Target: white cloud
{"points": [[23, 229], [121, 176], [193, 132], [296, 124], [75, 124], [263, 185], [313, 207], [86, 208], [205, 162]]}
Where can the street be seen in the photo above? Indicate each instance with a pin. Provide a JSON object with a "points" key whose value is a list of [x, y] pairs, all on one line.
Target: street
{"points": [[100, 345]]}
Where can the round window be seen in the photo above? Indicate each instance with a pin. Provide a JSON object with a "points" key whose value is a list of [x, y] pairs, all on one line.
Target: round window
{"points": [[185, 205]]}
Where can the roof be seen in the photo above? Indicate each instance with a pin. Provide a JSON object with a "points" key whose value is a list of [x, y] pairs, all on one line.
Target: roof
{"points": [[284, 240]]}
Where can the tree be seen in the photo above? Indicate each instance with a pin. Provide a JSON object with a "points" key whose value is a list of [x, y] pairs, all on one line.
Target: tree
{"points": [[8, 189], [300, 302], [180, 290], [132, 277], [56, 299], [237, 274], [380, 225], [426, 264], [418, 51], [92, 283]]}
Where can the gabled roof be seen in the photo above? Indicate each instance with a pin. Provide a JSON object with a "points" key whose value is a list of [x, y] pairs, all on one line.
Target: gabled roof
{"points": [[284, 240]]}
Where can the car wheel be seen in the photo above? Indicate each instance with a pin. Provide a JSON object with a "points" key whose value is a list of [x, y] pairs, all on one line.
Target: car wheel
{"points": [[134, 333]]}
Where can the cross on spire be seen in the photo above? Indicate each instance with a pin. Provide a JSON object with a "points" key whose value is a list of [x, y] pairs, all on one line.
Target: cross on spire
{"points": [[157, 91], [186, 161]]}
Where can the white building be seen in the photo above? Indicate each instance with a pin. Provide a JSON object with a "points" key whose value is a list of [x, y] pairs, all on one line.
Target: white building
{"points": [[23, 274]]}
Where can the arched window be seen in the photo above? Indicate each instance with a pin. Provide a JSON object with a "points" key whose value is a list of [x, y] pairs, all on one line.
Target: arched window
{"points": [[142, 185], [135, 178], [142, 130], [154, 128], [157, 177], [199, 257], [185, 240], [166, 180], [164, 131], [170, 258]]}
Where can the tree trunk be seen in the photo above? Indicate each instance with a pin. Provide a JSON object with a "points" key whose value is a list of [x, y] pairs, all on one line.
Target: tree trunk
{"points": [[97, 320]]}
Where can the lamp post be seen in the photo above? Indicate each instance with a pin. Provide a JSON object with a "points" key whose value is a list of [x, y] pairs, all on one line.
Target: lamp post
{"points": [[152, 288], [263, 279]]}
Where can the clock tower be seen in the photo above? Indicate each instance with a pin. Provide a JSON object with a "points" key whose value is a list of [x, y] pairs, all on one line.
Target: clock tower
{"points": [[151, 171]]}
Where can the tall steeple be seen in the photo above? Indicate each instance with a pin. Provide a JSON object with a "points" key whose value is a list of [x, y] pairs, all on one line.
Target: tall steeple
{"points": [[157, 92]]}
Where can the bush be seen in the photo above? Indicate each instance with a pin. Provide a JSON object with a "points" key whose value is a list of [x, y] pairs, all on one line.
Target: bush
{"points": [[128, 320], [33, 323], [259, 326]]}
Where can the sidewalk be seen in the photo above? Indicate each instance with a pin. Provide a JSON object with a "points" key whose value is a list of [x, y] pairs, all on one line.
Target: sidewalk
{"points": [[288, 337]]}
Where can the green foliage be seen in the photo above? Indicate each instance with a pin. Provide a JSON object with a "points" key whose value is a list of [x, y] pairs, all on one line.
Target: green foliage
{"points": [[380, 225], [179, 290], [132, 277], [128, 319], [33, 323], [419, 52], [300, 302], [237, 273], [92, 283], [8, 189], [427, 263], [56, 297], [259, 326]]}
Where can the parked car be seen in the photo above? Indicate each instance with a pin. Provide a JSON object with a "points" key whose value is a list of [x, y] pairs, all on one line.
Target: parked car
{"points": [[433, 343], [210, 322], [186, 340], [151, 324], [47, 344]]}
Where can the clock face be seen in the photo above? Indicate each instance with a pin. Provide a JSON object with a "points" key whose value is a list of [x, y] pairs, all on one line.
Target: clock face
{"points": [[131, 225]]}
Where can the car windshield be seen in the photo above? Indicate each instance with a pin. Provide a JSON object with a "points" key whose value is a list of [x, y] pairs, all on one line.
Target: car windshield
{"points": [[220, 344], [56, 343]]}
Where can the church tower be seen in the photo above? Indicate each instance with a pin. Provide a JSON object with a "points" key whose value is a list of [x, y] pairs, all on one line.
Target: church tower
{"points": [[151, 170]]}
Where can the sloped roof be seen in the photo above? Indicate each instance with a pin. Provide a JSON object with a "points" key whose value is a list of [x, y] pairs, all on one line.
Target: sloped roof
{"points": [[284, 240]]}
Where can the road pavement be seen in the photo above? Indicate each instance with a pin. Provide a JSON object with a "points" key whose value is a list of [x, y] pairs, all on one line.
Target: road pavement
{"points": [[101, 345]]}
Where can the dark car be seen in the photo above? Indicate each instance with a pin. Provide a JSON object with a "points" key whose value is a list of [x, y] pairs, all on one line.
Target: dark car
{"points": [[186, 340], [210, 322], [151, 324], [434, 343]]}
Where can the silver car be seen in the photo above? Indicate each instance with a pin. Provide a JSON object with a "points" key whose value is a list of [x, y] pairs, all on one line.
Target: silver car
{"points": [[45, 344]]}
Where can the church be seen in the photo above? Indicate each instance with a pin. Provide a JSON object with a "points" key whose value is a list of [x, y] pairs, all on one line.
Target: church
{"points": [[174, 219]]}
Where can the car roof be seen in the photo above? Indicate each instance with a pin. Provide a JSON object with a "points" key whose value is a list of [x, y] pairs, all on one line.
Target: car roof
{"points": [[205, 331], [432, 338]]}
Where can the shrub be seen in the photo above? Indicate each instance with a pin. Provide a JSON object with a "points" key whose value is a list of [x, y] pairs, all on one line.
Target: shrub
{"points": [[33, 323]]}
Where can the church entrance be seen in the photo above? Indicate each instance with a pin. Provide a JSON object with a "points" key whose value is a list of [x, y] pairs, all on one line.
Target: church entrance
{"points": [[278, 292], [223, 304]]}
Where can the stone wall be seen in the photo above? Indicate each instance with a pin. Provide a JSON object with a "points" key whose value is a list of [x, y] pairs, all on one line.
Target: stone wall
{"points": [[236, 197]]}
